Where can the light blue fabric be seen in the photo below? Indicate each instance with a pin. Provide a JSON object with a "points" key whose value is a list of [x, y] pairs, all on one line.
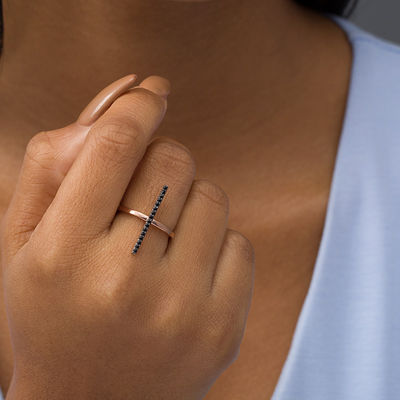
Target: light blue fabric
{"points": [[346, 344]]}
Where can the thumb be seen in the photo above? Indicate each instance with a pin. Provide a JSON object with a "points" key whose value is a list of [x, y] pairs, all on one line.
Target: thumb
{"points": [[48, 157]]}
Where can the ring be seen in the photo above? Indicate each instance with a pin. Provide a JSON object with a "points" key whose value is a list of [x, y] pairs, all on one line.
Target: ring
{"points": [[149, 219], [144, 217]]}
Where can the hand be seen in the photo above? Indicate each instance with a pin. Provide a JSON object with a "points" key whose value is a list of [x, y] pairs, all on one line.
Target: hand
{"points": [[90, 320]]}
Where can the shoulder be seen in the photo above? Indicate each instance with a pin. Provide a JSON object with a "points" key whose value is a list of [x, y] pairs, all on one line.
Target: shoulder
{"points": [[375, 59], [358, 36], [371, 129], [374, 93]]}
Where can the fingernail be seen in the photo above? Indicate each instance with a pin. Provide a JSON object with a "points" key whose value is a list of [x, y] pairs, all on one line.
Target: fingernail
{"points": [[157, 84], [104, 99]]}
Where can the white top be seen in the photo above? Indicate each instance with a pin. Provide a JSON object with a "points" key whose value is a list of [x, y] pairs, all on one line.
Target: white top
{"points": [[346, 344]]}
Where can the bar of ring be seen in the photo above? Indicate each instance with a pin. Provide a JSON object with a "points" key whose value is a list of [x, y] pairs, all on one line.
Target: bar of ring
{"points": [[144, 217]]}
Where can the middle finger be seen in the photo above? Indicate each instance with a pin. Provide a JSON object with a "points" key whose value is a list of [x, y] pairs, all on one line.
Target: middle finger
{"points": [[166, 162]]}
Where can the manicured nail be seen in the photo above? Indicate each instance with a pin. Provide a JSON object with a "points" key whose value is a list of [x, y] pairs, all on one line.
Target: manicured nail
{"points": [[157, 84], [104, 99]]}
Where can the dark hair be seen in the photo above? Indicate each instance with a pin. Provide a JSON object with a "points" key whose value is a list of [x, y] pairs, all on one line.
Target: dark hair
{"points": [[1, 25], [339, 7]]}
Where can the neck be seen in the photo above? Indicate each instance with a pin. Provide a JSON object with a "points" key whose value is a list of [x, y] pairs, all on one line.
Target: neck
{"points": [[253, 83], [58, 54]]}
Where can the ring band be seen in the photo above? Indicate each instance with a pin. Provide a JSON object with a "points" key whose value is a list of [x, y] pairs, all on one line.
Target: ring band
{"points": [[144, 217], [149, 219]]}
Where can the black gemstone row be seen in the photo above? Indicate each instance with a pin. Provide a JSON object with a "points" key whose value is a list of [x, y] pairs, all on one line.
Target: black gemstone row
{"points": [[150, 219]]}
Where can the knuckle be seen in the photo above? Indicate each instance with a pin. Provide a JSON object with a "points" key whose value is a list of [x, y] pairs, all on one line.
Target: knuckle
{"points": [[118, 138], [171, 317], [146, 97], [140, 103], [44, 260], [209, 191], [108, 297], [239, 243], [167, 316], [56, 258], [39, 147], [37, 141], [171, 158], [223, 335], [122, 133]]}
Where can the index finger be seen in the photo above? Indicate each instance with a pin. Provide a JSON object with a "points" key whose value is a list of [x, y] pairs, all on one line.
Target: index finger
{"points": [[89, 195]]}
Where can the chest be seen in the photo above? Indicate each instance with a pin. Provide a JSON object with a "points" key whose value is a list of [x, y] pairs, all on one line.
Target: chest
{"points": [[286, 251]]}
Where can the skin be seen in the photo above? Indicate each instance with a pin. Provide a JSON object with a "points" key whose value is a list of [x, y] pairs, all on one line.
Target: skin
{"points": [[258, 102], [160, 325]]}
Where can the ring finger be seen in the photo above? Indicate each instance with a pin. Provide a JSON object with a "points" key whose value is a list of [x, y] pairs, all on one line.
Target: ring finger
{"points": [[165, 162]]}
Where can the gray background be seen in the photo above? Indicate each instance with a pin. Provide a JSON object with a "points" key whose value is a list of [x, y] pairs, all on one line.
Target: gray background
{"points": [[382, 17]]}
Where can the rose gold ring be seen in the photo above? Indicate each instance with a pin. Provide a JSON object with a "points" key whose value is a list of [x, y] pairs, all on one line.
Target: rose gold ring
{"points": [[145, 217]]}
